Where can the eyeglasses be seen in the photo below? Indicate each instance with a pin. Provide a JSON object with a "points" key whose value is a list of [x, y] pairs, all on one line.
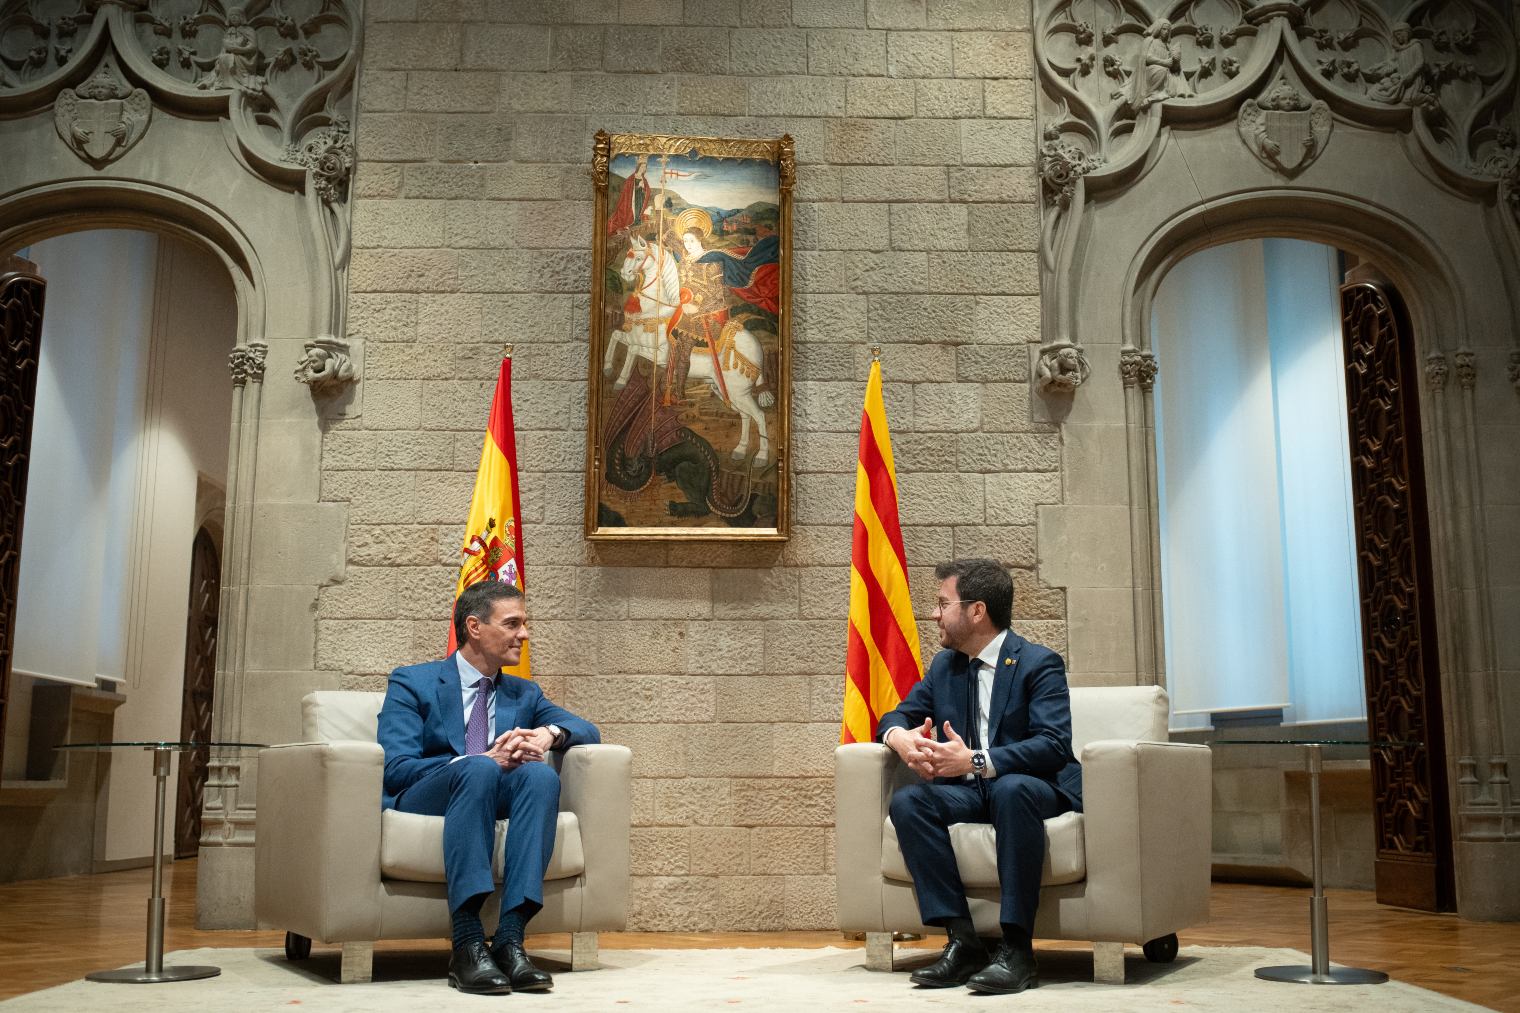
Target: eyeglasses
{"points": [[941, 604]]}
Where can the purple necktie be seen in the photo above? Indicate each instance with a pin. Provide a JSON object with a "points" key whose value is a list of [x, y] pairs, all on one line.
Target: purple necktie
{"points": [[477, 731]]}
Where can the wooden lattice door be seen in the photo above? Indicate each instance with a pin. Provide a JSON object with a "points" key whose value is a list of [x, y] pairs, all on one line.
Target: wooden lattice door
{"points": [[1412, 823], [200, 678], [21, 298]]}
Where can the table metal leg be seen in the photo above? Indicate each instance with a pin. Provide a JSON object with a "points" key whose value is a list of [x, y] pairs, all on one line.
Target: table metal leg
{"points": [[1319, 972], [153, 968]]}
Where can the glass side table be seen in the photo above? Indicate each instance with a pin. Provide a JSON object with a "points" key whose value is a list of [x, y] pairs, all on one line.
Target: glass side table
{"points": [[1319, 972], [153, 968]]}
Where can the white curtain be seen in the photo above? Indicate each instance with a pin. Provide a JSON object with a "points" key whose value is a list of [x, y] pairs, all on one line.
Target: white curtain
{"points": [[81, 486], [1258, 548]]}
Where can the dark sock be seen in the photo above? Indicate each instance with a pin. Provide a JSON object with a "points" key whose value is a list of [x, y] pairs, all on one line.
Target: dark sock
{"points": [[511, 927], [1017, 939], [962, 930], [467, 927]]}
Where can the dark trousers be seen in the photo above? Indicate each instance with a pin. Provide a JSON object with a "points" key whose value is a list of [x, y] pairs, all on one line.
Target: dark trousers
{"points": [[1016, 805], [471, 795]]}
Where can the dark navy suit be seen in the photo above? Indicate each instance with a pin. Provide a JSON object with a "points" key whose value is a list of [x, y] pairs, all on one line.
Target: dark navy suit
{"points": [[1029, 745], [422, 730]]}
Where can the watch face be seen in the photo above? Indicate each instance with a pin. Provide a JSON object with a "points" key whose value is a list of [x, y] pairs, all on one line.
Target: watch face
{"points": [[978, 761]]}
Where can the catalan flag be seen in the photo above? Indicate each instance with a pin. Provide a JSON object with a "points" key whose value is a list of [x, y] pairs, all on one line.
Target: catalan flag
{"points": [[493, 547], [882, 661]]}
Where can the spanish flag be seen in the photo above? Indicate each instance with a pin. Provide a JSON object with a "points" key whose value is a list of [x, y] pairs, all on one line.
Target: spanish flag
{"points": [[882, 660], [493, 548]]}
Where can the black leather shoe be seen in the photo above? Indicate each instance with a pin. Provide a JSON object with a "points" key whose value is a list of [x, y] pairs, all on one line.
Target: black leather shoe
{"points": [[1010, 971], [472, 970], [956, 963], [514, 963]]}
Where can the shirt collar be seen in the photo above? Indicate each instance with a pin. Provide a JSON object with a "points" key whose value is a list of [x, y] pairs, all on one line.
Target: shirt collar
{"points": [[468, 674], [989, 654]]}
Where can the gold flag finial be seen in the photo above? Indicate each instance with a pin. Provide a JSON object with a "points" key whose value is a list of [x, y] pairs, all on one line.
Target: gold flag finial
{"points": [[875, 353], [506, 351]]}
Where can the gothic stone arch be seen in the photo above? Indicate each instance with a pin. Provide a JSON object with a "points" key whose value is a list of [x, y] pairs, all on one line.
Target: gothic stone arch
{"points": [[229, 126], [1172, 126]]}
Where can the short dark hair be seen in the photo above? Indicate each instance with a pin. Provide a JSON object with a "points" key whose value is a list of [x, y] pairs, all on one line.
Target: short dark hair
{"points": [[479, 600], [982, 580]]}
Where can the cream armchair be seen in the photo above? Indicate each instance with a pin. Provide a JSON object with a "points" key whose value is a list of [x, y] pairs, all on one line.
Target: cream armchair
{"points": [[1133, 867], [331, 866]]}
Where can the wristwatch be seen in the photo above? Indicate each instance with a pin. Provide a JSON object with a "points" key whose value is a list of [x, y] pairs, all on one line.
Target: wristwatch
{"points": [[979, 763]]}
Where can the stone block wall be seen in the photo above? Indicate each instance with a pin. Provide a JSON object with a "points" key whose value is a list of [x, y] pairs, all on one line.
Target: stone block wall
{"points": [[916, 227]]}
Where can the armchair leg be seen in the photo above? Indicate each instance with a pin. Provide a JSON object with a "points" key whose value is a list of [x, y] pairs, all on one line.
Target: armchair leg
{"points": [[1108, 963], [358, 965], [878, 951], [583, 951]]}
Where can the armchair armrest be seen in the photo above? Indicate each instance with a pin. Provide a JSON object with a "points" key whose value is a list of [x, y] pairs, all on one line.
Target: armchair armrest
{"points": [[1147, 811], [596, 784], [317, 849], [865, 775]]}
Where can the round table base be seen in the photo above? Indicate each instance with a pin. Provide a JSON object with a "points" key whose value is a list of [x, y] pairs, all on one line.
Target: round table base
{"points": [[1304, 974], [141, 975]]}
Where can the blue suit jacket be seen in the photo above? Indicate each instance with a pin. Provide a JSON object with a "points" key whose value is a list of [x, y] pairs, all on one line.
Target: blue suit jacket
{"points": [[422, 720], [1029, 721]]}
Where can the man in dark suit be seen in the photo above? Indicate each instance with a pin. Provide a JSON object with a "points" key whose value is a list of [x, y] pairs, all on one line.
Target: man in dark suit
{"points": [[1001, 707], [465, 742]]}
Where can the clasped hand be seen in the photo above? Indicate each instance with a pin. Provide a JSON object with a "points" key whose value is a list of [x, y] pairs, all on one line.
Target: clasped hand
{"points": [[521, 745], [928, 758]]}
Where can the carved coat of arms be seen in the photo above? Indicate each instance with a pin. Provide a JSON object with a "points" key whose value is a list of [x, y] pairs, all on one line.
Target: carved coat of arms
{"points": [[1284, 128], [103, 117]]}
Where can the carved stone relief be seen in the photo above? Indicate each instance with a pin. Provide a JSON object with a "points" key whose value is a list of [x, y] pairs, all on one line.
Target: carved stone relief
{"points": [[1115, 74], [102, 118], [1138, 368], [1284, 128], [279, 72]]}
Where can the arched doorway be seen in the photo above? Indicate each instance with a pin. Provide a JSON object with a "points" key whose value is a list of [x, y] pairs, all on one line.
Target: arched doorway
{"points": [[243, 145], [1294, 547], [132, 408]]}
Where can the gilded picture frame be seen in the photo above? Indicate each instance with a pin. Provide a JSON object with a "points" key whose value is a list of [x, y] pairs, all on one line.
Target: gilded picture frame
{"points": [[690, 357]]}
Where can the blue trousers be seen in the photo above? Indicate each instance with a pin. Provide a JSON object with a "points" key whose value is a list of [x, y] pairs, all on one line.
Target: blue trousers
{"points": [[1016, 805], [471, 795]]}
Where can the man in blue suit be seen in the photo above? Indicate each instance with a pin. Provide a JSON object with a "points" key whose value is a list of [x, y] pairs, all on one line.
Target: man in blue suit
{"points": [[465, 742], [1003, 756]]}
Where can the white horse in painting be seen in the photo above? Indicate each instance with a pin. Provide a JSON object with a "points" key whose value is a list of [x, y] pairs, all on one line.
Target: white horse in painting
{"points": [[653, 271]]}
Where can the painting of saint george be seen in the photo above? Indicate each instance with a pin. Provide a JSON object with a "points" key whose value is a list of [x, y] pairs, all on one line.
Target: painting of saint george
{"points": [[690, 338]]}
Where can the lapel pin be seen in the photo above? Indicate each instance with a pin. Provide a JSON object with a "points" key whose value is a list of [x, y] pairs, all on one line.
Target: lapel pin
{"points": [[1007, 661]]}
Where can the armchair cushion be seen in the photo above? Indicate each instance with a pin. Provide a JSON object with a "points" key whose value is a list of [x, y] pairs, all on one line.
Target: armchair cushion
{"points": [[411, 848], [976, 852]]}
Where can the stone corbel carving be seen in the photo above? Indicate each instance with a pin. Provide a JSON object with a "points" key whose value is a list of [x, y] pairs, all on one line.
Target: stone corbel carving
{"points": [[326, 367], [102, 118], [1062, 368], [1283, 128]]}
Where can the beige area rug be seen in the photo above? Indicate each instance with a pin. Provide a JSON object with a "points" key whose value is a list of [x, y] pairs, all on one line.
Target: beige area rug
{"points": [[1202, 978]]}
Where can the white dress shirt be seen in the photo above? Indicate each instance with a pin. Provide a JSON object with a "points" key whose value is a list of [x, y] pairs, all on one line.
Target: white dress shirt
{"points": [[469, 689], [985, 666]]}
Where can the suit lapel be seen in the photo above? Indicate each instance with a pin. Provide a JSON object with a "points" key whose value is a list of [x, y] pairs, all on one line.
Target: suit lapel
{"points": [[450, 705], [1002, 680]]}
